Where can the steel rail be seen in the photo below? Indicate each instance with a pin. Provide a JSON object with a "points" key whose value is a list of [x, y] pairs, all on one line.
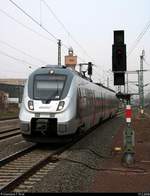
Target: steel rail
{"points": [[16, 155], [9, 118], [49, 158], [9, 133]]}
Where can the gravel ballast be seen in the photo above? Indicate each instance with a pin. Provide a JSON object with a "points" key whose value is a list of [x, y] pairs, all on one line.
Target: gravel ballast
{"points": [[69, 176]]}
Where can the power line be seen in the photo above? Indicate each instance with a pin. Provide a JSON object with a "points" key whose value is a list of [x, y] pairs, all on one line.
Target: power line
{"points": [[9, 71], [35, 21], [37, 33], [50, 9], [147, 26], [32, 30], [29, 16], [5, 43], [64, 27], [146, 62], [16, 59]]}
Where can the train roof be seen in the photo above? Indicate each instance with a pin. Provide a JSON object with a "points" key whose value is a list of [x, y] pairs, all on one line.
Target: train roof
{"points": [[70, 71], [63, 69], [99, 84], [43, 68]]}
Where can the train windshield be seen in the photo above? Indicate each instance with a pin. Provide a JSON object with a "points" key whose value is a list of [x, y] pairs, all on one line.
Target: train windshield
{"points": [[48, 87]]}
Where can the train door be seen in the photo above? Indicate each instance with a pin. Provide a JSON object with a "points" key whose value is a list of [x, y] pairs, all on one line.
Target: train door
{"points": [[90, 109], [107, 105], [93, 120], [99, 108], [79, 107], [102, 105]]}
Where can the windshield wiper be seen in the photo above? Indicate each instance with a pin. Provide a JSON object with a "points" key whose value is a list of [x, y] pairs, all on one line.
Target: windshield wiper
{"points": [[52, 96]]}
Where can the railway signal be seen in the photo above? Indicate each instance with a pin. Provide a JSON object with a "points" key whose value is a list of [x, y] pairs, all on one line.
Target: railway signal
{"points": [[89, 68], [128, 113], [119, 78], [128, 131], [123, 96], [119, 58]]}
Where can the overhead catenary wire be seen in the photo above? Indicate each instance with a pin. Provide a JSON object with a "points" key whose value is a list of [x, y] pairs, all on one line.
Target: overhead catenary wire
{"points": [[10, 46], [68, 32], [58, 20], [35, 21], [32, 30], [40, 12], [29, 16], [146, 62], [8, 71], [139, 37], [23, 25], [16, 59], [39, 24], [132, 89]]}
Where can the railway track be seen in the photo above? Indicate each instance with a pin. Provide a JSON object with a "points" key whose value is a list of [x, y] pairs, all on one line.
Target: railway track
{"points": [[10, 118], [9, 133], [9, 128], [15, 167], [19, 172]]}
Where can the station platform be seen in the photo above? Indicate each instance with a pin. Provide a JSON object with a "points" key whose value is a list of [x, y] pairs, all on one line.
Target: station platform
{"points": [[117, 177]]}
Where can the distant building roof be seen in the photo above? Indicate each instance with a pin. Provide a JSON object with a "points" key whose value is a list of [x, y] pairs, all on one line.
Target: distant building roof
{"points": [[14, 81]]}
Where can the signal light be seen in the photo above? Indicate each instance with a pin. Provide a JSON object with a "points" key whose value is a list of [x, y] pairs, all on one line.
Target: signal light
{"points": [[119, 52], [119, 79], [123, 96], [119, 58], [89, 68], [119, 37]]}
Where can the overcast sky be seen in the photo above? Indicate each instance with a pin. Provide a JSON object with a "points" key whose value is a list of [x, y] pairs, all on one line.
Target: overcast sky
{"points": [[85, 25]]}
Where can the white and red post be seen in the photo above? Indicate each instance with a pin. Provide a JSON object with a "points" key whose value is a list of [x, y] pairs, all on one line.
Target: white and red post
{"points": [[128, 113], [128, 136]]}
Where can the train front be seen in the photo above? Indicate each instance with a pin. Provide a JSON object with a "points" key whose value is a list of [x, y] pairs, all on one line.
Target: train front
{"points": [[47, 111]]}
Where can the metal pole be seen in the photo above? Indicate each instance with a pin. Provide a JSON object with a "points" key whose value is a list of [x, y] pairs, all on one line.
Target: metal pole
{"points": [[59, 52], [139, 89], [141, 86], [127, 84], [40, 13], [124, 89], [107, 81]]}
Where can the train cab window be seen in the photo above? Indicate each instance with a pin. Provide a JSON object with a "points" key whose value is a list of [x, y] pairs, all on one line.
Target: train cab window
{"points": [[48, 88]]}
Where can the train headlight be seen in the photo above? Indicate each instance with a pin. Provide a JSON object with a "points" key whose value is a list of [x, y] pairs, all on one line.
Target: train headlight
{"points": [[51, 72], [60, 105], [30, 105]]}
